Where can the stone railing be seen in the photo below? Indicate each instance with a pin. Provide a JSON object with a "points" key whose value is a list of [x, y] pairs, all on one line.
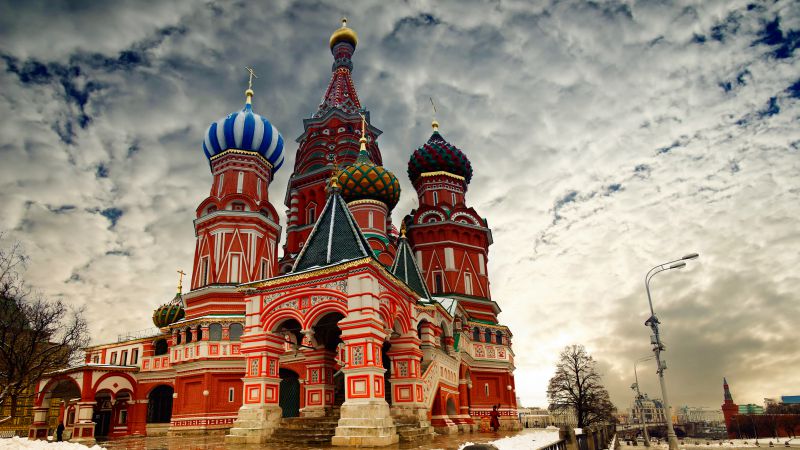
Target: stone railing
{"points": [[560, 444], [442, 368]]}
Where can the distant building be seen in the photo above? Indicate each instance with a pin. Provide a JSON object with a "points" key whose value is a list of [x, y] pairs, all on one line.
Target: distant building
{"points": [[750, 421], [535, 417], [790, 399], [751, 408], [566, 418], [700, 415], [651, 410]]}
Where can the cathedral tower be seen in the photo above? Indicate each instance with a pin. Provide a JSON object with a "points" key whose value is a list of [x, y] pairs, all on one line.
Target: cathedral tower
{"points": [[236, 226], [450, 240], [330, 137], [729, 409], [371, 192]]}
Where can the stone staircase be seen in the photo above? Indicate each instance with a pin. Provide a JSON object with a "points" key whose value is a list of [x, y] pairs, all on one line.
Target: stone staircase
{"points": [[305, 431], [412, 431]]}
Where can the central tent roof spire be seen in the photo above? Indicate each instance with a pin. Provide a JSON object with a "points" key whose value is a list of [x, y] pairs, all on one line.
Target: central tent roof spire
{"points": [[341, 93]]}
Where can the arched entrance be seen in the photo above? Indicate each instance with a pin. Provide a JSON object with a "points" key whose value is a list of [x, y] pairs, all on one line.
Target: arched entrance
{"points": [[102, 414], [451, 407], [328, 336], [60, 403], [387, 376], [289, 399], [159, 404]]}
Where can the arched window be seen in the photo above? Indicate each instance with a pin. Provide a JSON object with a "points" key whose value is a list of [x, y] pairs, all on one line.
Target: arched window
{"points": [[311, 214], [199, 333], [235, 331], [498, 337], [178, 337], [215, 332], [160, 347], [188, 334], [488, 336], [476, 334]]}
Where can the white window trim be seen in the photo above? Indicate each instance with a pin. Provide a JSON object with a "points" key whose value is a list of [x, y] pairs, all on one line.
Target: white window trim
{"points": [[240, 182], [238, 258]]}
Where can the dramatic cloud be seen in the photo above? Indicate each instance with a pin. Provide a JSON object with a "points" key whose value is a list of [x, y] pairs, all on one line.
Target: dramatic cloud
{"points": [[605, 137]]}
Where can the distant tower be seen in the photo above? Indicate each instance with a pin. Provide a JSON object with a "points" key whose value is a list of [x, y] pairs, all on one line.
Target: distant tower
{"points": [[450, 239], [729, 409], [330, 136]]}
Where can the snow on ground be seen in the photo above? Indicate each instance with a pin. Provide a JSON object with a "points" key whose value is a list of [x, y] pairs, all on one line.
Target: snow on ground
{"points": [[17, 443], [527, 439]]}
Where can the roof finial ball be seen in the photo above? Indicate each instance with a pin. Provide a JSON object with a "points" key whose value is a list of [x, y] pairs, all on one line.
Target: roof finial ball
{"points": [[344, 34]]}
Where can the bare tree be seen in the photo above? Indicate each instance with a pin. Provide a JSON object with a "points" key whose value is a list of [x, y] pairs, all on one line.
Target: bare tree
{"points": [[576, 386], [37, 335]]}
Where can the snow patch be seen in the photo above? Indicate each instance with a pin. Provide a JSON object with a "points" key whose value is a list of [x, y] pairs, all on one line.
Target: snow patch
{"points": [[18, 443], [532, 439]]}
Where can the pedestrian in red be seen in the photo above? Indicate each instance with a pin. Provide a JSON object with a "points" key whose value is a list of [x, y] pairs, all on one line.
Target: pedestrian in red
{"points": [[494, 420]]}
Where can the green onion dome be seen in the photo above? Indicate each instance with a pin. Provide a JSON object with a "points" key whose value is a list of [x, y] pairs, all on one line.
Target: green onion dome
{"points": [[364, 180], [438, 155], [169, 313]]}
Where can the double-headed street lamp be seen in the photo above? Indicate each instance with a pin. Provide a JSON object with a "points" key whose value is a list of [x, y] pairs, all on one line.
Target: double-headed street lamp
{"points": [[638, 401], [655, 340]]}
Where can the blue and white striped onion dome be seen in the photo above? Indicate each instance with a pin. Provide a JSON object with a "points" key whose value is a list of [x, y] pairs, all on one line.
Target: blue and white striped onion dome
{"points": [[245, 130]]}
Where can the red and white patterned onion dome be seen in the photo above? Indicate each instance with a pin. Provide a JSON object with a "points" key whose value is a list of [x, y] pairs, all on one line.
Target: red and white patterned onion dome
{"points": [[438, 155]]}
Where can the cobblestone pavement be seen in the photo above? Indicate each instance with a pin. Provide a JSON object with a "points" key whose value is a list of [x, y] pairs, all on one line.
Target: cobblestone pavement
{"points": [[452, 441]]}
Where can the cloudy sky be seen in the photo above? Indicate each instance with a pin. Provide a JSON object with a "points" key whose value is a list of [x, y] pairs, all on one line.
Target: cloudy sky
{"points": [[606, 137]]}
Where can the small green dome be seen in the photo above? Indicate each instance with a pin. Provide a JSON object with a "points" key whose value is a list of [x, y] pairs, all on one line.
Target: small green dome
{"points": [[168, 313], [364, 180]]}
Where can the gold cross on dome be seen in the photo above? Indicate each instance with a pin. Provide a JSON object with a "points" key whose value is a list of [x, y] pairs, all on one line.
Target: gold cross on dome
{"points": [[252, 75], [363, 125], [181, 273]]}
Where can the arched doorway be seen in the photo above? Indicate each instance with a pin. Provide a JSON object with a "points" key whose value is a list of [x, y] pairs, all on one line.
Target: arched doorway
{"points": [[451, 407], [159, 404], [387, 364], [60, 403], [328, 336], [289, 399], [102, 414]]}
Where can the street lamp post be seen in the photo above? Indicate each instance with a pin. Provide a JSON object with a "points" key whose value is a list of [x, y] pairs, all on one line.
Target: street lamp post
{"points": [[655, 340], [638, 403]]}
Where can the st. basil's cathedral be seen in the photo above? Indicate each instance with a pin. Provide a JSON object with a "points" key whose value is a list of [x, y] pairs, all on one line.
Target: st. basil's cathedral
{"points": [[366, 332]]}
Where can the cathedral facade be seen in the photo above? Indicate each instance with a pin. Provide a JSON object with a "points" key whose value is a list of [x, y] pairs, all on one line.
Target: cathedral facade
{"points": [[381, 332]]}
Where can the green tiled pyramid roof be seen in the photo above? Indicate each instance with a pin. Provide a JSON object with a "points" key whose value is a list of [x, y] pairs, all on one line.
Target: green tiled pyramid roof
{"points": [[335, 238], [405, 268]]}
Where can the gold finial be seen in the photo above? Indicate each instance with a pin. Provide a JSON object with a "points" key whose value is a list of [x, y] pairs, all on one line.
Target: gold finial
{"points": [[249, 92], [181, 273], [363, 139], [434, 123], [344, 22], [333, 183], [403, 230]]}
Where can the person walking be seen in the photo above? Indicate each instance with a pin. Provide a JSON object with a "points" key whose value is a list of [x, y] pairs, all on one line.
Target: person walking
{"points": [[60, 432], [494, 420]]}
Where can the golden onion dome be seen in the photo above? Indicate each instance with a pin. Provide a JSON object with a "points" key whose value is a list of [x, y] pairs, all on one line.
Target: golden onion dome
{"points": [[344, 34]]}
